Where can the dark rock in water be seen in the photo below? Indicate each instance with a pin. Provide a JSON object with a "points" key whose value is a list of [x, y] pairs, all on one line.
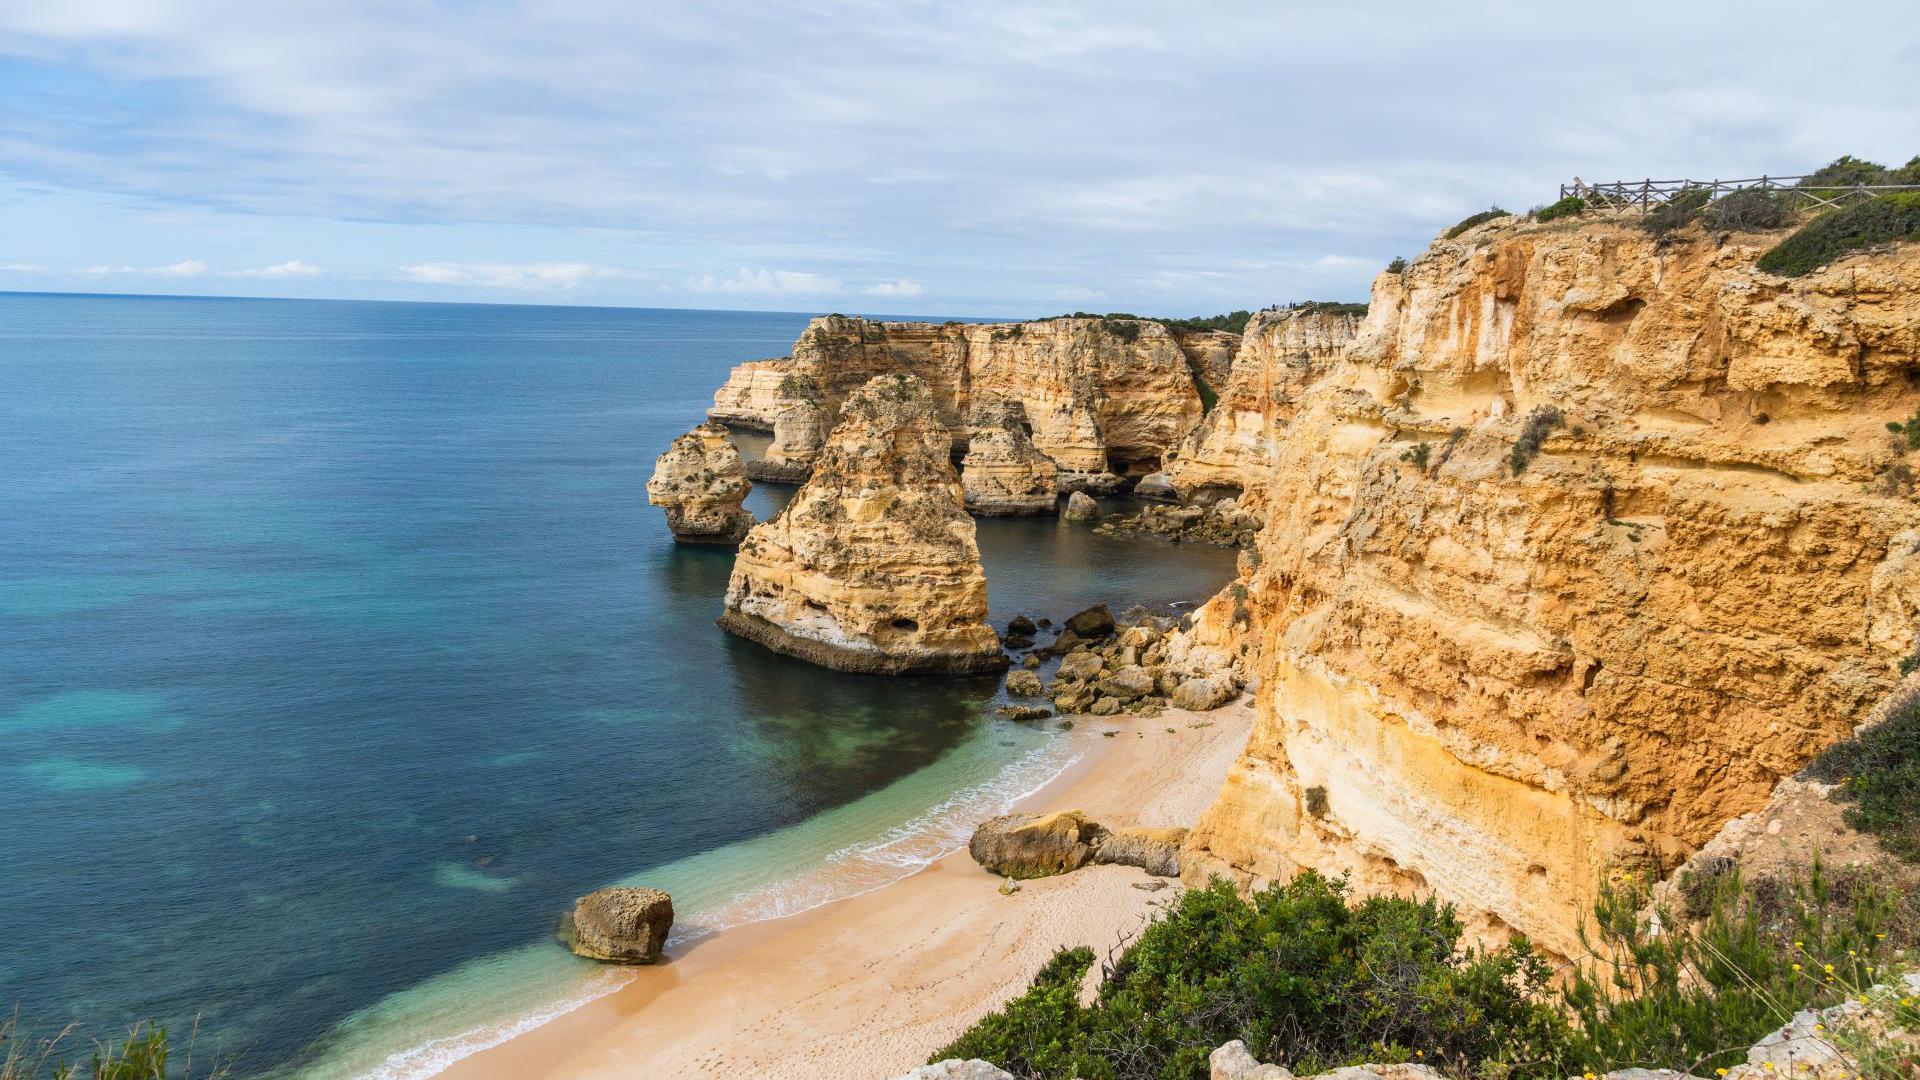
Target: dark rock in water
{"points": [[1092, 624], [1032, 661], [1024, 712], [620, 925], [1017, 641], [1080, 507], [1020, 624], [1024, 683], [1044, 624]]}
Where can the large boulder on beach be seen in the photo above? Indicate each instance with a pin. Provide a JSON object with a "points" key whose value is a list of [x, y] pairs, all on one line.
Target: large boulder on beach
{"points": [[1157, 851], [1205, 694], [1081, 665], [620, 925], [955, 1069], [1035, 845], [1129, 683]]}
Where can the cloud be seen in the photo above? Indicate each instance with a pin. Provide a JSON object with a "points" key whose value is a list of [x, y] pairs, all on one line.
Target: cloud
{"points": [[1078, 293], [186, 268], [746, 282], [292, 268], [903, 287], [21, 268], [520, 277]]}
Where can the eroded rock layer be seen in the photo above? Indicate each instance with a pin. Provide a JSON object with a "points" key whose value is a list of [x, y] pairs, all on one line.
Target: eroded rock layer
{"points": [[1003, 473], [701, 483], [1282, 353], [872, 566], [1103, 397], [1585, 542]]}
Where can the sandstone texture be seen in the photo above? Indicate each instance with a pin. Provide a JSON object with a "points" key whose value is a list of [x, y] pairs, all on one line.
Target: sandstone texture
{"points": [[620, 925], [701, 483], [1035, 845], [1105, 398], [1003, 473], [1080, 507], [872, 566], [1032, 845], [1584, 543], [1282, 353]]}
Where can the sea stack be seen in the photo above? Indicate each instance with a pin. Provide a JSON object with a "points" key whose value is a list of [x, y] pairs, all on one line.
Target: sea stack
{"points": [[1003, 473], [873, 566], [701, 483]]}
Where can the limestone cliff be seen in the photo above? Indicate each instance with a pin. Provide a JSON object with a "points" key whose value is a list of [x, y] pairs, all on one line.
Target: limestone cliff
{"points": [[1585, 542], [1003, 472], [1282, 352], [701, 483], [872, 566], [1103, 396]]}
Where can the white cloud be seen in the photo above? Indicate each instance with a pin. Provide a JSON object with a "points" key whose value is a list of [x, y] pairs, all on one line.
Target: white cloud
{"points": [[903, 287], [292, 268], [21, 268], [747, 282], [521, 277], [185, 268]]}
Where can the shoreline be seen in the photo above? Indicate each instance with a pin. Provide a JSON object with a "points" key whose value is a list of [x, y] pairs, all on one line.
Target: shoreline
{"points": [[869, 985]]}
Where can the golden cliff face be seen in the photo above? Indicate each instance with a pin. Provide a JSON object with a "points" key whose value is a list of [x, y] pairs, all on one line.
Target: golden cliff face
{"points": [[1003, 473], [1281, 353], [873, 566], [1501, 687], [1099, 394]]}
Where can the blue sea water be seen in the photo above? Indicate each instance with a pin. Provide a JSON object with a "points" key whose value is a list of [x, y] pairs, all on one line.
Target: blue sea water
{"points": [[339, 650]]}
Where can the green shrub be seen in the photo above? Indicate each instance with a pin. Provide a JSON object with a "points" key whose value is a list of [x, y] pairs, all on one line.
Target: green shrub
{"points": [[1329, 307], [1748, 210], [1694, 996], [1541, 422], [1832, 235], [1297, 973], [1846, 171], [1878, 773], [1397, 266], [1472, 220], [1677, 212], [1571, 206], [1417, 455], [1910, 430], [1208, 399], [142, 1055]]}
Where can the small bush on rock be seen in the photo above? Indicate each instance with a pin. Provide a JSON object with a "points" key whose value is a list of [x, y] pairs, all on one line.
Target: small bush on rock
{"points": [[1751, 210], [1541, 422], [1677, 212], [1571, 206], [1397, 266], [1878, 771], [1840, 233], [1472, 220]]}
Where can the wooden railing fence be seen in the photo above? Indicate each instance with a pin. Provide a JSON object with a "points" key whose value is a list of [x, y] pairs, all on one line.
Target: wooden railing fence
{"points": [[1646, 194]]}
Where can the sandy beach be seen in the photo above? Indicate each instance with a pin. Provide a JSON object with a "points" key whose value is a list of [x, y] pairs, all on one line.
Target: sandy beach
{"points": [[869, 986]]}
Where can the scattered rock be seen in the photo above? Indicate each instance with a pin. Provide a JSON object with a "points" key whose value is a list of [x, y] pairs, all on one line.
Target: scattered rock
{"points": [[1035, 845], [1024, 683], [1080, 507], [1093, 624], [1205, 694], [1128, 683], [1081, 665], [1024, 712], [1022, 626], [955, 1069], [620, 925], [1031, 662], [1104, 706], [1157, 851], [1016, 641], [1155, 486]]}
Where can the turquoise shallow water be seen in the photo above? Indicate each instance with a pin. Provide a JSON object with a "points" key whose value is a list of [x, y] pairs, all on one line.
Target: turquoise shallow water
{"points": [[339, 649]]}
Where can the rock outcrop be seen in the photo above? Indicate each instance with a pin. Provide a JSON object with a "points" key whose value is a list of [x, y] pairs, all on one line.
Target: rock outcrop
{"points": [[1032, 845], [1003, 474], [872, 566], [1585, 542], [701, 483], [1282, 352], [1080, 507], [619, 925], [1105, 398]]}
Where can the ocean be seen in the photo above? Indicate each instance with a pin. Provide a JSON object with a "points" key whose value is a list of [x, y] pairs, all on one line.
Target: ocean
{"points": [[339, 651]]}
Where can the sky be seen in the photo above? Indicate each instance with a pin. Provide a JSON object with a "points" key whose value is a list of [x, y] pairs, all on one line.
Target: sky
{"points": [[962, 159]]}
